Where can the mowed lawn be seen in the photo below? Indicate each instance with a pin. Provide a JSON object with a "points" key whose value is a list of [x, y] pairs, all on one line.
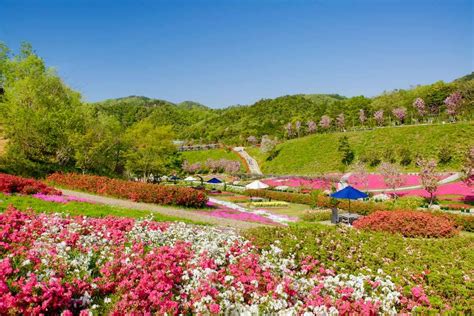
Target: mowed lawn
{"points": [[81, 208], [316, 154], [203, 155]]}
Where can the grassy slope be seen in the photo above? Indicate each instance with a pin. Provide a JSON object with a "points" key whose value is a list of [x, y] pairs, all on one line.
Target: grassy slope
{"points": [[203, 155], [318, 153], [81, 208]]}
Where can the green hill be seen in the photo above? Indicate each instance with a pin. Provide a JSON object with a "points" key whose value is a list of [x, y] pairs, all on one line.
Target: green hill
{"points": [[318, 153], [233, 125], [203, 155]]}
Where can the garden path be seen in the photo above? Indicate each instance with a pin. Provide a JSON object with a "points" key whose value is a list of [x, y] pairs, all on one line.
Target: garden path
{"points": [[251, 162], [170, 211]]}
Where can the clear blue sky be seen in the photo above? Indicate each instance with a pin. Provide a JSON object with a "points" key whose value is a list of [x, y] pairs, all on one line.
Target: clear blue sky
{"points": [[223, 52]]}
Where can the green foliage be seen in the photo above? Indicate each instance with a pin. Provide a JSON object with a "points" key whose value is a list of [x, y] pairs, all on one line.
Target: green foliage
{"points": [[444, 154], [151, 150], [405, 156], [346, 151], [38, 111], [99, 146], [440, 265], [316, 215]]}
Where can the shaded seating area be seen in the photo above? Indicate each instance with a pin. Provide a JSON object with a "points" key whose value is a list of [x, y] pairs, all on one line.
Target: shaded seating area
{"points": [[348, 193]]}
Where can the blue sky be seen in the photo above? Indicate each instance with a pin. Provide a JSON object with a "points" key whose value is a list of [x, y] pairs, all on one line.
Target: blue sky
{"points": [[222, 53]]}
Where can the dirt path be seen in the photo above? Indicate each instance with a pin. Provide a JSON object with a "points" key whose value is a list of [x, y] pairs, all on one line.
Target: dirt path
{"points": [[171, 211]]}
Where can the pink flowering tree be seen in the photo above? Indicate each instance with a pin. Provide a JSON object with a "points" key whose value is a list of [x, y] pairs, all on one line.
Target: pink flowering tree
{"points": [[191, 168], [252, 140], [298, 128], [429, 177], [400, 113], [420, 106], [289, 129], [231, 166], [392, 176], [362, 116], [267, 144], [312, 127], [453, 102], [325, 122], [340, 121], [378, 116]]}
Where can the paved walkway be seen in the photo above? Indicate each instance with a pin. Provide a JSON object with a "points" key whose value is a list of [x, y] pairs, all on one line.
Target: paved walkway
{"points": [[251, 162], [170, 211]]}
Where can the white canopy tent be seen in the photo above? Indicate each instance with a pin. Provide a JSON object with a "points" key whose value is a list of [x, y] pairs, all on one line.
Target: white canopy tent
{"points": [[256, 185], [190, 179]]}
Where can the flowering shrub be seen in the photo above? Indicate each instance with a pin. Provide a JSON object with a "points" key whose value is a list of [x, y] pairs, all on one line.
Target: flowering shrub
{"points": [[52, 264], [136, 191], [442, 267], [408, 223], [14, 184]]}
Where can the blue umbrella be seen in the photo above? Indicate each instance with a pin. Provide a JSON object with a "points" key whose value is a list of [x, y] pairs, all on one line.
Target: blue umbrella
{"points": [[214, 180], [349, 193]]}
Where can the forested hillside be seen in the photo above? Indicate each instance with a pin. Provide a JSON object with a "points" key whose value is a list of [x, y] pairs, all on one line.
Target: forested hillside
{"points": [[294, 116]]}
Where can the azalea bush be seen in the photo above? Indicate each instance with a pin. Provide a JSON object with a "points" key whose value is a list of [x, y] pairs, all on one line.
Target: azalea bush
{"points": [[408, 223], [443, 267], [14, 184], [74, 265], [135, 191]]}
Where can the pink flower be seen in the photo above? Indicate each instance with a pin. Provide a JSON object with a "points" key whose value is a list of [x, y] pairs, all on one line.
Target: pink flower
{"points": [[214, 308]]}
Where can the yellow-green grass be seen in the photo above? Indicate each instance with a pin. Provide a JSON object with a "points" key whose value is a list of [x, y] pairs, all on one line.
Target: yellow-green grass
{"points": [[317, 154], [82, 208], [203, 155]]}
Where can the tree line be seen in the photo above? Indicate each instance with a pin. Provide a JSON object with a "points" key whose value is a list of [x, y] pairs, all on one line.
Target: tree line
{"points": [[50, 128]]}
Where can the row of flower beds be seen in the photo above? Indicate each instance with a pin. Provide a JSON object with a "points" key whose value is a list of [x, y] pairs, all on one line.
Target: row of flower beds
{"points": [[74, 265], [135, 191], [14, 184], [462, 222], [408, 223]]}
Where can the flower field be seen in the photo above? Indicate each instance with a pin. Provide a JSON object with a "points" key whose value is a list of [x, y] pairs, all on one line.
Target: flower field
{"points": [[442, 267], [226, 212], [53, 264], [461, 189], [59, 198], [135, 191]]}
